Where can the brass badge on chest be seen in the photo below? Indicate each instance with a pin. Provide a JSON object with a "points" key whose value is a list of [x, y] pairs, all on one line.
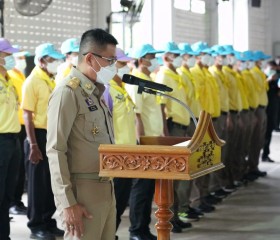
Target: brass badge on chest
{"points": [[95, 130]]}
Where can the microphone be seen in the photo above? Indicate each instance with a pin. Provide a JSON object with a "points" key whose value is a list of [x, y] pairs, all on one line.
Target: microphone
{"points": [[130, 79]]}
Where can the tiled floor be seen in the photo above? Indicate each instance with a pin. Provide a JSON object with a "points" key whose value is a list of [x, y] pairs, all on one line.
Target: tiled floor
{"points": [[251, 213]]}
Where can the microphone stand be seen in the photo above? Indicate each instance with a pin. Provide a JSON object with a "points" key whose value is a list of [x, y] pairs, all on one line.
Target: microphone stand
{"points": [[157, 93]]}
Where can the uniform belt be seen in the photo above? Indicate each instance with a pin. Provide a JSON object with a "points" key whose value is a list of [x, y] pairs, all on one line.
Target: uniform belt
{"points": [[90, 176], [181, 126]]}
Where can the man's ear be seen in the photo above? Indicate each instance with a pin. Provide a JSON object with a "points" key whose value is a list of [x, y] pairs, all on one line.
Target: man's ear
{"points": [[42, 63], [88, 59]]}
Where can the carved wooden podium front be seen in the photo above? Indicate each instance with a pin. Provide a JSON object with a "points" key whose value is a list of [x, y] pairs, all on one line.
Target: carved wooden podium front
{"points": [[153, 159]]}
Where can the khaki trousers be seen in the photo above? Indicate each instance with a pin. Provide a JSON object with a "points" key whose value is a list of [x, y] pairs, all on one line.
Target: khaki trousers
{"points": [[99, 200]]}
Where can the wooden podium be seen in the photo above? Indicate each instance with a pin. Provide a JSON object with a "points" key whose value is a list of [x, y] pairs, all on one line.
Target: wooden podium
{"points": [[155, 158]]}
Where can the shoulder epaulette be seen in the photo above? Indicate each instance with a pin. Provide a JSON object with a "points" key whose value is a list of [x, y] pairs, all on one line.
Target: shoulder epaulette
{"points": [[73, 83]]}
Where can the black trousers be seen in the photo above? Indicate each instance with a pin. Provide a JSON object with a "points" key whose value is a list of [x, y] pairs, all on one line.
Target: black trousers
{"points": [[9, 167], [21, 174], [41, 205], [122, 187], [140, 204]]}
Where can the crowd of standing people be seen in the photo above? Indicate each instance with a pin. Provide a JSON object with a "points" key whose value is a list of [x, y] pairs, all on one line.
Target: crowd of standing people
{"points": [[53, 121]]}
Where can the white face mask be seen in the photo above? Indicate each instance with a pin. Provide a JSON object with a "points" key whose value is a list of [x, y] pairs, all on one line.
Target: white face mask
{"points": [[250, 64], [211, 61], [154, 65], [105, 74], [205, 60], [20, 64], [269, 72], [124, 70], [231, 60], [242, 66], [263, 64], [220, 61], [52, 67], [191, 62], [74, 61], [177, 62], [9, 62]]}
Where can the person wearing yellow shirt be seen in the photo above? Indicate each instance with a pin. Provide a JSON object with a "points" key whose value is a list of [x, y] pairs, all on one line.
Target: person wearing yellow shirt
{"points": [[148, 123], [122, 109], [9, 141], [185, 187], [17, 78], [36, 91], [258, 135], [70, 49], [176, 118], [207, 92]]}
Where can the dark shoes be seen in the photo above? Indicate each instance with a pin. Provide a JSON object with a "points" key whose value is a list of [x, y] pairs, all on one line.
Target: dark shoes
{"points": [[18, 210], [47, 235], [178, 226], [267, 159], [146, 236], [56, 232], [43, 235]]}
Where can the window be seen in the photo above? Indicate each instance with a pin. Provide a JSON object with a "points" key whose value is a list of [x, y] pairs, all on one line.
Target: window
{"points": [[195, 6]]}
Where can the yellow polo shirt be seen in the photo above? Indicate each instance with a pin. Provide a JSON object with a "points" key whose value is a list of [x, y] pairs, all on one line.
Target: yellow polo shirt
{"points": [[147, 106], [214, 92], [36, 91], [63, 71], [9, 122], [242, 90], [192, 97], [17, 78], [261, 85], [122, 109], [252, 93], [203, 89], [223, 84], [174, 110], [235, 102]]}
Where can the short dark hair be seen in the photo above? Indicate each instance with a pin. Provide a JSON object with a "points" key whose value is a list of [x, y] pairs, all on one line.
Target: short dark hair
{"points": [[95, 40]]}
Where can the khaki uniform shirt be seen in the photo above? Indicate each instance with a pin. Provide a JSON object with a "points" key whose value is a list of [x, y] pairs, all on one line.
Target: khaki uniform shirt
{"points": [[78, 122]]}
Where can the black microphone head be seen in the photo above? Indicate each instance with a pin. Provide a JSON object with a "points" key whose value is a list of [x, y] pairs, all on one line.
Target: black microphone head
{"points": [[127, 78]]}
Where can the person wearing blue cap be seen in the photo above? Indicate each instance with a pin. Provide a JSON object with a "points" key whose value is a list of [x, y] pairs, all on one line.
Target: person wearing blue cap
{"points": [[9, 142], [70, 49], [36, 91], [176, 118], [18, 77], [258, 133], [148, 123]]}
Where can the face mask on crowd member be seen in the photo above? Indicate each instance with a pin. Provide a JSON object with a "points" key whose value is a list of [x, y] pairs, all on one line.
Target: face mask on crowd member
{"points": [[268, 71], [123, 69], [70, 48], [205, 59], [20, 64], [231, 60], [9, 62], [241, 66], [50, 65], [250, 64], [73, 58], [177, 61], [189, 60]]}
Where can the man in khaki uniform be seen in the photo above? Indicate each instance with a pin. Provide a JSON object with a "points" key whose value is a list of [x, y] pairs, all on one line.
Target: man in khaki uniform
{"points": [[79, 122]]}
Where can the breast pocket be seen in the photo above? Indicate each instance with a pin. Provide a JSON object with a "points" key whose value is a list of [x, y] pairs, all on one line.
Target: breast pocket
{"points": [[93, 129]]}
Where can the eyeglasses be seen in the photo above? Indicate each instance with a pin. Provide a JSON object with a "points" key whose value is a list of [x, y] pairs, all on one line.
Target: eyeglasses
{"points": [[109, 60]]}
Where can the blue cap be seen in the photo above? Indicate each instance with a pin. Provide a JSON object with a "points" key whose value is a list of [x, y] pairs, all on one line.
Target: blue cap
{"points": [[229, 48], [21, 53], [240, 56], [70, 45], [259, 55], [219, 50], [186, 48], [46, 49], [249, 56], [201, 47], [172, 47], [143, 50]]}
